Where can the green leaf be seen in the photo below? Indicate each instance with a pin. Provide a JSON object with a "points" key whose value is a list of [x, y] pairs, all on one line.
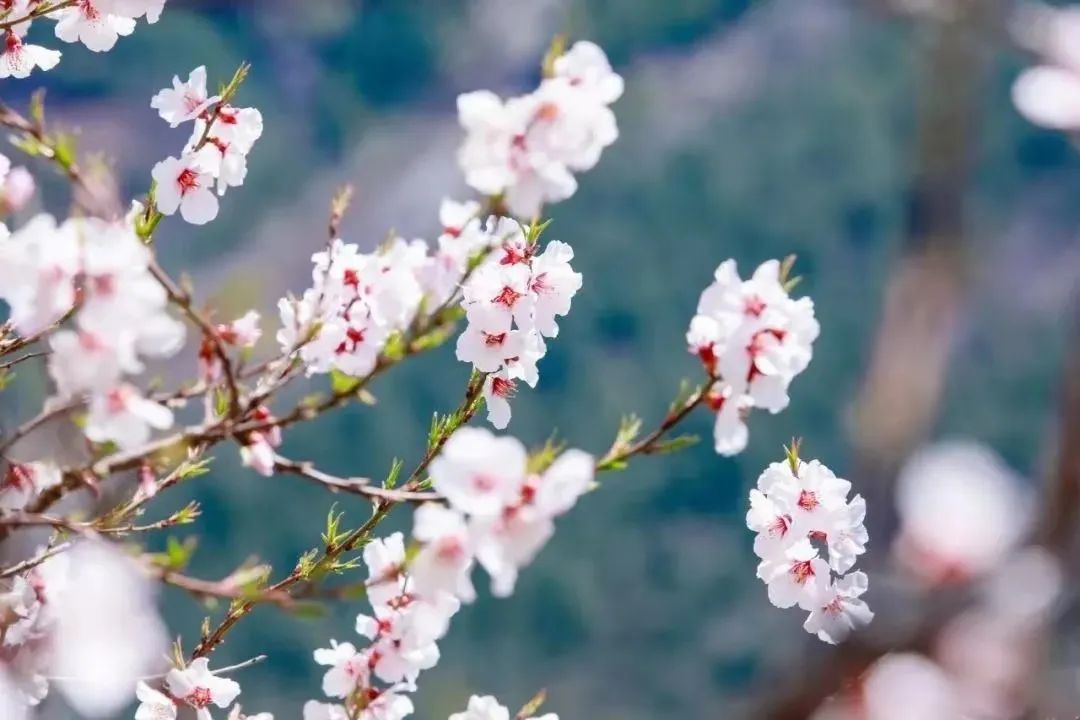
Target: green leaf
{"points": [[342, 384]]}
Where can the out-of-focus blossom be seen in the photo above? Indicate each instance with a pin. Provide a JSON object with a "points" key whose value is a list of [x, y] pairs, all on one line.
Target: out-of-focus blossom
{"points": [[962, 510], [899, 686], [1049, 94]]}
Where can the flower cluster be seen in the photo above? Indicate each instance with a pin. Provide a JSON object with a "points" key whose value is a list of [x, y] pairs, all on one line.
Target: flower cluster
{"points": [[121, 316], [216, 154], [402, 635], [753, 339], [97, 24], [486, 707], [500, 513], [358, 300], [527, 148], [511, 303], [796, 508]]}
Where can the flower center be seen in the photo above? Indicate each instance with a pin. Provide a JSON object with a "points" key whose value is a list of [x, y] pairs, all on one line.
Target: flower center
{"points": [[802, 571], [188, 180], [808, 500], [200, 697], [493, 340]]}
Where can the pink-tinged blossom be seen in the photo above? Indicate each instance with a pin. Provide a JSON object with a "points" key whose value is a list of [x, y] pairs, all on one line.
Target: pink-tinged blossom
{"points": [[184, 101], [511, 302], [135, 9], [836, 610], [795, 511], [1049, 94], [25, 481], [237, 714], [962, 511], [753, 337], [498, 388], [198, 687], [348, 669], [38, 266], [899, 686], [258, 454], [444, 563], [315, 710], [185, 184], [796, 577], [92, 23], [18, 189], [487, 707], [153, 704], [107, 631], [19, 59], [123, 416], [243, 332], [526, 148], [554, 283], [586, 67], [385, 561], [479, 473]]}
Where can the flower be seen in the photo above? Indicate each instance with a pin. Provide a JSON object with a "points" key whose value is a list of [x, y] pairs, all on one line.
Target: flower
{"points": [[796, 508], [445, 561], [184, 101], [1049, 94], [753, 339], [237, 714], [511, 302], [315, 710], [487, 707], [348, 669], [153, 705], [123, 416], [199, 688], [962, 512], [185, 184], [836, 610], [24, 481], [105, 631], [478, 473], [19, 59], [38, 266], [525, 148], [92, 23]]}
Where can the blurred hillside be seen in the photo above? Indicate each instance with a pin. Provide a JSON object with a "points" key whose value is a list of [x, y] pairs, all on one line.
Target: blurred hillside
{"points": [[749, 130]]}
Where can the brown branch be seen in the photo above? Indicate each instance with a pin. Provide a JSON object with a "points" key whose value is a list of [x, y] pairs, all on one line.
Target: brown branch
{"points": [[354, 485]]}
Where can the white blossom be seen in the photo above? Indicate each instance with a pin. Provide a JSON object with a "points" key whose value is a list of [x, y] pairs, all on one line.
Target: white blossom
{"points": [[184, 101], [199, 688], [185, 184], [19, 59]]}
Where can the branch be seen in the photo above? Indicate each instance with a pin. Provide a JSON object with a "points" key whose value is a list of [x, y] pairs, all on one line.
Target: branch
{"points": [[354, 485]]}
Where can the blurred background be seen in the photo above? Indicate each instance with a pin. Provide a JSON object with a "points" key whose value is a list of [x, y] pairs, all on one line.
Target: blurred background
{"points": [[750, 130]]}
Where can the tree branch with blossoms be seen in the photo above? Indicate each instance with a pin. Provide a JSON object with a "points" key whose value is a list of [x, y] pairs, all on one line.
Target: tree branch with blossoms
{"points": [[89, 299]]}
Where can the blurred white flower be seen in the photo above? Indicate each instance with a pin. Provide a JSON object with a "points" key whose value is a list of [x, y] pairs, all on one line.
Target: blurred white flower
{"points": [[962, 511]]}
